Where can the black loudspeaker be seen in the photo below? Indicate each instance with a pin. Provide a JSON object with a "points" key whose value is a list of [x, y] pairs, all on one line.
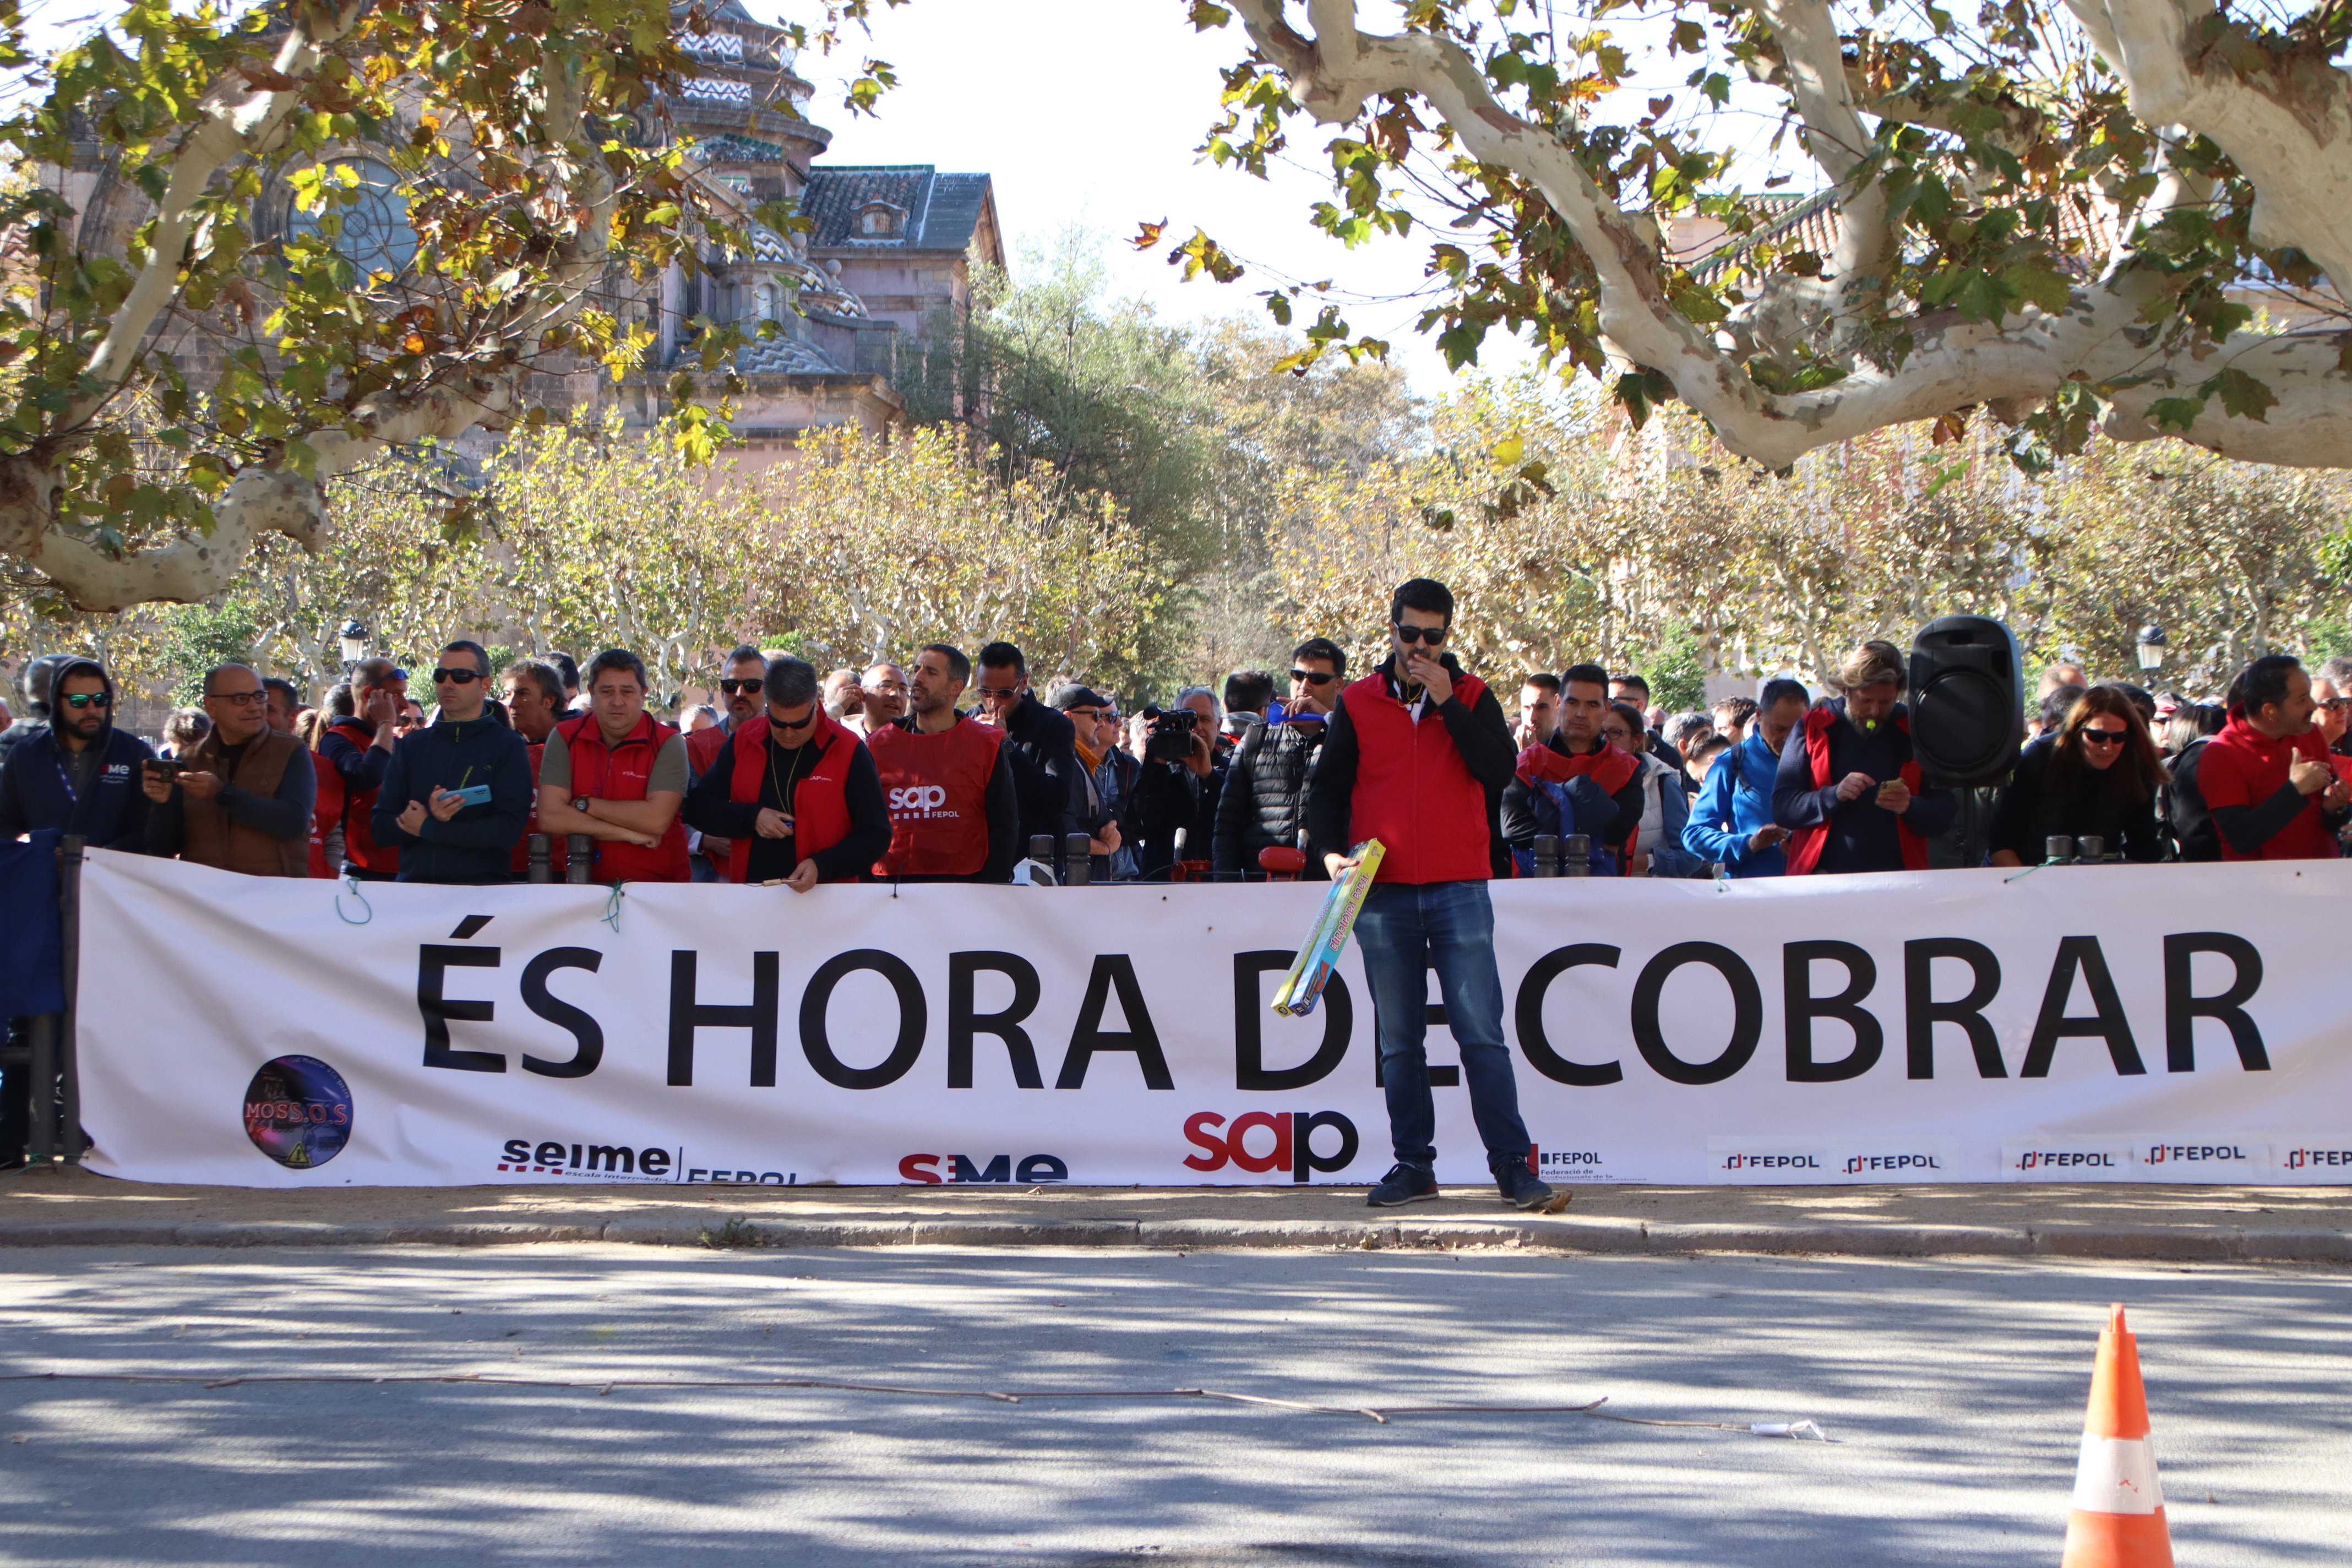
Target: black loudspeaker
{"points": [[1968, 701]]}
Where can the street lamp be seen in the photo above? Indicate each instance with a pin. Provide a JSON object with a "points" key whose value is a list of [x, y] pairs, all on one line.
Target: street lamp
{"points": [[2151, 646], [354, 638]]}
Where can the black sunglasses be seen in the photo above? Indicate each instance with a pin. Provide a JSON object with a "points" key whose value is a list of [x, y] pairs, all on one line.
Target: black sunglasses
{"points": [[456, 677], [1313, 677], [748, 687], [1432, 635], [87, 700], [782, 724], [2103, 737]]}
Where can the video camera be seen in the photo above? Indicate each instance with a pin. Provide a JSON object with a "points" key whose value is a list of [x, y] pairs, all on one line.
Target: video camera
{"points": [[1169, 735]]}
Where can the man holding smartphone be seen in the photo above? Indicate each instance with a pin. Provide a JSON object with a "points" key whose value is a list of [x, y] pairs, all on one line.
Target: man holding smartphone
{"points": [[1416, 754], [456, 794], [1847, 788]]}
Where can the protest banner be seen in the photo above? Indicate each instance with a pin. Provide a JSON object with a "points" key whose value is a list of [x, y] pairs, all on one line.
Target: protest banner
{"points": [[2184, 1022]]}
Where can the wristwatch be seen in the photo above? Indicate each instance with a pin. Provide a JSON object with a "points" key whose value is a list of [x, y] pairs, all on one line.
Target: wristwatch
{"points": [[580, 804]]}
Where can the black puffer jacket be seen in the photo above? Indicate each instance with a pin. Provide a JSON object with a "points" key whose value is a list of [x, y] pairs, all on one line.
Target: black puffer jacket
{"points": [[1265, 798]]}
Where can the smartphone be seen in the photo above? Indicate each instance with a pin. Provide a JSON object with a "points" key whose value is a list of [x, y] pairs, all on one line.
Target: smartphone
{"points": [[473, 795]]}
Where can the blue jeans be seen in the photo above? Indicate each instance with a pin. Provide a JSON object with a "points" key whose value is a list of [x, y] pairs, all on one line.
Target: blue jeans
{"points": [[1403, 933]]}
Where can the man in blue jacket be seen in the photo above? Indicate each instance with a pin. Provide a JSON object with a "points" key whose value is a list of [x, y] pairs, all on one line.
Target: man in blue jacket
{"points": [[81, 773], [446, 833], [1731, 822]]}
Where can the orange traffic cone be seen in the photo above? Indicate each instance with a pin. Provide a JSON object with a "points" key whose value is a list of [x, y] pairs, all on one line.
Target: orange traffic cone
{"points": [[2118, 1518]]}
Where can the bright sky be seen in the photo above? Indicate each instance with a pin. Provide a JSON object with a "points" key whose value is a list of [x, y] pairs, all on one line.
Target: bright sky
{"points": [[1087, 112]]}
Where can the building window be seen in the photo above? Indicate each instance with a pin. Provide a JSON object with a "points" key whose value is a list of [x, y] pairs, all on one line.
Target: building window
{"points": [[376, 236], [877, 220]]}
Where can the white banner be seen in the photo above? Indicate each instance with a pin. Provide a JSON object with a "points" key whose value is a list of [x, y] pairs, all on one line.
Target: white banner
{"points": [[2120, 1023]]}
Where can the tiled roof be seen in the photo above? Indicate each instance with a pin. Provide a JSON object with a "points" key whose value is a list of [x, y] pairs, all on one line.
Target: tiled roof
{"points": [[784, 356], [1810, 223], [943, 210]]}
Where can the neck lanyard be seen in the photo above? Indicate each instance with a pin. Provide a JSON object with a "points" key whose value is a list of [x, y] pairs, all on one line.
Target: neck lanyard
{"points": [[784, 790]]}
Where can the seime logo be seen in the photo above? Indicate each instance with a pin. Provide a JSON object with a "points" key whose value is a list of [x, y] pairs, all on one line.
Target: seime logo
{"points": [[2304, 1159], [1771, 1163], [2173, 1153], [2066, 1160], [554, 1159], [965, 1168], [917, 797], [1855, 1164], [1292, 1141]]}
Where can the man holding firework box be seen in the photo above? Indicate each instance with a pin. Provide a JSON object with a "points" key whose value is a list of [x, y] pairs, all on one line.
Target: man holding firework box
{"points": [[1416, 755]]}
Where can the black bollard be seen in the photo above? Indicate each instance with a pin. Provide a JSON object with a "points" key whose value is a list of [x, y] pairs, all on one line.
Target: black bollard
{"points": [[541, 864], [1547, 855], [1576, 856], [578, 852]]}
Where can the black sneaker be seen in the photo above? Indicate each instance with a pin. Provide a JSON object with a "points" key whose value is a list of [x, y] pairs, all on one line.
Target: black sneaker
{"points": [[1520, 1189], [1404, 1185]]}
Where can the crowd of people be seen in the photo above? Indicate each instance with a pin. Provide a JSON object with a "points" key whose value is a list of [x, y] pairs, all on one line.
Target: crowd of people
{"points": [[796, 779], [950, 767]]}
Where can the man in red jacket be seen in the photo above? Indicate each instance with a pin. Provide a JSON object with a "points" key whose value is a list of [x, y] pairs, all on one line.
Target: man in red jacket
{"points": [[2266, 777], [617, 776], [1417, 755]]}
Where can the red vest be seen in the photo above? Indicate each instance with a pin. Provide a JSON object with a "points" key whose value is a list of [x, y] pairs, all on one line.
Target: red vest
{"points": [[820, 798], [360, 848], [1806, 844], [1414, 792], [937, 788], [620, 773], [326, 813], [520, 862]]}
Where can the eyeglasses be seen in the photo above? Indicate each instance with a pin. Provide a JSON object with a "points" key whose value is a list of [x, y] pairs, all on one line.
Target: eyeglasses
{"points": [[1313, 677], [997, 694], [456, 677], [803, 722], [240, 697], [2335, 704], [2103, 737], [747, 688], [87, 700], [1432, 635]]}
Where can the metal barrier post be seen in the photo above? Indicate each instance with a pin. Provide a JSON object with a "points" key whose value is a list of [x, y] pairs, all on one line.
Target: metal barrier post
{"points": [[1577, 855], [2058, 849], [70, 850], [1041, 850], [580, 853], [1077, 861], [1547, 855], [41, 1062], [542, 865], [2090, 849]]}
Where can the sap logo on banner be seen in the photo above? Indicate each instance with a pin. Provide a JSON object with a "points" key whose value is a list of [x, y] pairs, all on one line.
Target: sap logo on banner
{"points": [[2062, 1157], [1772, 1160], [605, 1161], [920, 799], [1901, 1158], [1291, 1140], [2201, 1158], [965, 1168]]}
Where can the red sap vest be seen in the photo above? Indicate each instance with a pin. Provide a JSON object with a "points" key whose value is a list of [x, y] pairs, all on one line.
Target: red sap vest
{"points": [[1414, 792], [1806, 844], [820, 798], [937, 788], [620, 773], [360, 848], [325, 811]]}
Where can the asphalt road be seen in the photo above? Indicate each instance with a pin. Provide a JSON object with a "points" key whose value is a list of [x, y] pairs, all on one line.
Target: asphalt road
{"points": [[1954, 1390]]}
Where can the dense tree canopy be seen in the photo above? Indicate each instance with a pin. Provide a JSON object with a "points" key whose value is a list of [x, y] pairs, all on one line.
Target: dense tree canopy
{"points": [[2071, 219]]}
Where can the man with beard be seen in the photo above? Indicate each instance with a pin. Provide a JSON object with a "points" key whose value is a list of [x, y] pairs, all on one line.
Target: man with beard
{"points": [[947, 779], [739, 685]]}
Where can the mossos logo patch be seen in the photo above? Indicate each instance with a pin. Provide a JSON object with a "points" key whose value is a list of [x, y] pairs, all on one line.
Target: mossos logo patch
{"points": [[298, 1110]]}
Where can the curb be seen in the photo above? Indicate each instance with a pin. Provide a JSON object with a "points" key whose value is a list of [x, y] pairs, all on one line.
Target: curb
{"points": [[1619, 1237]]}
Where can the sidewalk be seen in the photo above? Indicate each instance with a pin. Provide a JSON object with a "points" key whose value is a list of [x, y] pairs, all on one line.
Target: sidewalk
{"points": [[2298, 1224]]}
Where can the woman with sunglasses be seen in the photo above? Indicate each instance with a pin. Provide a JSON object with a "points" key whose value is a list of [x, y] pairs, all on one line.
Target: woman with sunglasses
{"points": [[2096, 777]]}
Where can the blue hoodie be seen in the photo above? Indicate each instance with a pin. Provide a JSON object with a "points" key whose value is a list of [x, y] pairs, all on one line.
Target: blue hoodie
{"points": [[109, 808], [477, 844], [1738, 791]]}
